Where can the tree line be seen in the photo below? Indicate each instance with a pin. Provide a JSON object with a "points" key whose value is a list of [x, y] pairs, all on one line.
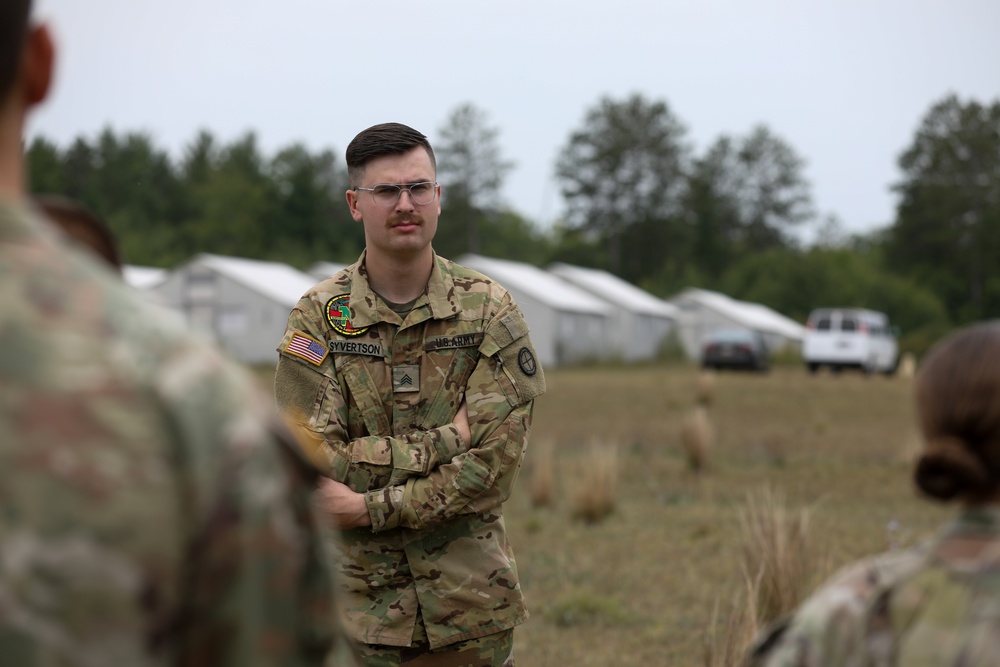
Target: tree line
{"points": [[639, 203]]}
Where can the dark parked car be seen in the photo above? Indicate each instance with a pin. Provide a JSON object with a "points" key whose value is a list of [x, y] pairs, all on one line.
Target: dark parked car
{"points": [[735, 348]]}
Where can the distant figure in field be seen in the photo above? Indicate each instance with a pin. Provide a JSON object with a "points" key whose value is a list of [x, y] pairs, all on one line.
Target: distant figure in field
{"points": [[938, 603]]}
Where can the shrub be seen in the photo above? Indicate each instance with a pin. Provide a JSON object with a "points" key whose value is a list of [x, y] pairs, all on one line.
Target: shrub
{"points": [[542, 484], [596, 495], [696, 438], [778, 562]]}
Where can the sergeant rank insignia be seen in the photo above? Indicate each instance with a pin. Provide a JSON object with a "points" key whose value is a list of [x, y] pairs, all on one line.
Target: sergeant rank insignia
{"points": [[338, 314]]}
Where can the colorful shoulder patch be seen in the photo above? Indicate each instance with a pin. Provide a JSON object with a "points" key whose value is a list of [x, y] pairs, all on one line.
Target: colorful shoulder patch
{"points": [[338, 314], [307, 348]]}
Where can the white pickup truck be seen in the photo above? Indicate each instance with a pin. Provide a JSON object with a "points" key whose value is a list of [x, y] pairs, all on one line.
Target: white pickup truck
{"points": [[850, 338]]}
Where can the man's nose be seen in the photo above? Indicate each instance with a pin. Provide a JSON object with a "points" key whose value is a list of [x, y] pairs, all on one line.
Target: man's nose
{"points": [[406, 205]]}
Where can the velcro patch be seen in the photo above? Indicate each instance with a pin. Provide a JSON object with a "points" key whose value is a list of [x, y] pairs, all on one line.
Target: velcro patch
{"points": [[458, 340], [515, 325], [405, 378], [307, 348]]}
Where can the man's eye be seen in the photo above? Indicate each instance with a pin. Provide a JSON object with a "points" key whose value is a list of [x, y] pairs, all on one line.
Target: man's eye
{"points": [[385, 190], [421, 189]]}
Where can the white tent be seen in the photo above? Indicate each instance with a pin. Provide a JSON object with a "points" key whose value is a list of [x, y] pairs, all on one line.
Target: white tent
{"points": [[639, 321], [703, 311], [567, 324], [242, 303], [323, 270], [143, 277]]}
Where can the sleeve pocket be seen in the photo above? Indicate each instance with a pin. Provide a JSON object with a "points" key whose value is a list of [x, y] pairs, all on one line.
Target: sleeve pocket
{"points": [[474, 477]]}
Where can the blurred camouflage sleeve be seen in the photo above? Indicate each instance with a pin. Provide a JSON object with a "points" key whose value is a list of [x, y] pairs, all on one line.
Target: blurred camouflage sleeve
{"points": [[258, 589], [500, 395], [310, 395], [846, 622]]}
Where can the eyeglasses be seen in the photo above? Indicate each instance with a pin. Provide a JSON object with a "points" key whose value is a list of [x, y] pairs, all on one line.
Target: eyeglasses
{"points": [[387, 194]]}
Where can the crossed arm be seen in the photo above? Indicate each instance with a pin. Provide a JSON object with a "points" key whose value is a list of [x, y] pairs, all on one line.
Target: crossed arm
{"points": [[348, 509]]}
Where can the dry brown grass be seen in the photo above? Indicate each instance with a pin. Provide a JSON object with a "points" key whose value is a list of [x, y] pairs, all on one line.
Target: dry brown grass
{"points": [[729, 633], [779, 562], [696, 438], [542, 484], [907, 366], [780, 567], [704, 388], [597, 485], [669, 559]]}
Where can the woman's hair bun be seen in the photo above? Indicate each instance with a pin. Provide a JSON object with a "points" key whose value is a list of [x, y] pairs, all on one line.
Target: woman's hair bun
{"points": [[949, 467]]}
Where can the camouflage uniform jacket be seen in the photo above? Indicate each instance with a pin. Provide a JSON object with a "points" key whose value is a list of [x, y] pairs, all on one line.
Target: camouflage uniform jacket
{"points": [[379, 393], [148, 515], [935, 604]]}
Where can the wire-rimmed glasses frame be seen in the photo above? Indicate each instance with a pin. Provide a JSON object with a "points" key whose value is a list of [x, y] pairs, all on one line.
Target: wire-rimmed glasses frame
{"points": [[387, 194]]}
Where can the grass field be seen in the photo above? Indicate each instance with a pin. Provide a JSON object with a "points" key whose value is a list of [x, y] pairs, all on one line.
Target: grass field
{"points": [[642, 585]]}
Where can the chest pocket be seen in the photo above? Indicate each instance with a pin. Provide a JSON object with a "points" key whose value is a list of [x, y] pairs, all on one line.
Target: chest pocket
{"points": [[448, 364], [356, 372]]}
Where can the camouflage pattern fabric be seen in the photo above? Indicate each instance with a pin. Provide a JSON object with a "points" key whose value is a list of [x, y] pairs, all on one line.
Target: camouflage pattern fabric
{"points": [[496, 650], [379, 394], [149, 516], [937, 604]]}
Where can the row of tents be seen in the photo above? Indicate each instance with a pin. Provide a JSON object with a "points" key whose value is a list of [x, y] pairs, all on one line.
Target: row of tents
{"points": [[575, 314]]}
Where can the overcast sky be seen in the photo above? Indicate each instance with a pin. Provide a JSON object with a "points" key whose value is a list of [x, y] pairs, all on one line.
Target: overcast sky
{"points": [[844, 82]]}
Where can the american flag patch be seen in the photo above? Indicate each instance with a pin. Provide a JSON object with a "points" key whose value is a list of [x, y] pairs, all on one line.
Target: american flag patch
{"points": [[306, 348]]}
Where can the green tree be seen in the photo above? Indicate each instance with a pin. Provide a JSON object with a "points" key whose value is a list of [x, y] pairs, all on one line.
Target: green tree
{"points": [[471, 169], [773, 195], [124, 179], [45, 167], [712, 208], [232, 198], [622, 176], [312, 221], [80, 164], [947, 229], [746, 195], [508, 234]]}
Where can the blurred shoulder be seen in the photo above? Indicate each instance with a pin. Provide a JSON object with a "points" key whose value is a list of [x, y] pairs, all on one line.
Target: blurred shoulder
{"points": [[475, 287], [847, 617]]}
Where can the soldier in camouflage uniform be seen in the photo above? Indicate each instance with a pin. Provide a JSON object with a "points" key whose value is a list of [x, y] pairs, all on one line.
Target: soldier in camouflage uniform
{"points": [[416, 378], [938, 603], [148, 516]]}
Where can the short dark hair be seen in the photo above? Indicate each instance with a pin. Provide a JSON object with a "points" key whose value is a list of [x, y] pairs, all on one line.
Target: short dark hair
{"points": [[381, 140], [14, 15]]}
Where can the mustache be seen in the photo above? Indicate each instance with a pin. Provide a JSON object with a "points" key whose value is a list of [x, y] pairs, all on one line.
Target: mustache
{"points": [[407, 217]]}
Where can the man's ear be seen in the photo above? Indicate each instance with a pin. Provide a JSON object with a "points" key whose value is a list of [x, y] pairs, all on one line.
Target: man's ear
{"points": [[38, 64], [352, 203]]}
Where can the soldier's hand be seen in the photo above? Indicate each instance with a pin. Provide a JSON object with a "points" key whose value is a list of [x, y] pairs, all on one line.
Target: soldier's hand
{"points": [[462, 424], [346, 509]]}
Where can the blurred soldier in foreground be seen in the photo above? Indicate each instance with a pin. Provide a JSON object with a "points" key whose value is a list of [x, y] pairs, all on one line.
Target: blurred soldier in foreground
{"points": [[148, 516], [417, 378], [939, 603]]}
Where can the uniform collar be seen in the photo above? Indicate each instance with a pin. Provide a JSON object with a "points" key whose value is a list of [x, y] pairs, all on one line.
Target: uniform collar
{"points": [[976, 519], [440, 298]]}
